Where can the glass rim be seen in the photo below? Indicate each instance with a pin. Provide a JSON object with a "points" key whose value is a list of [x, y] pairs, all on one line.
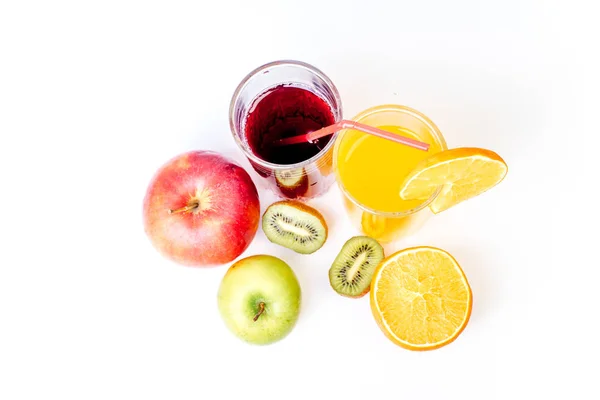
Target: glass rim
{"points": [[242, 85], [374, 110]]}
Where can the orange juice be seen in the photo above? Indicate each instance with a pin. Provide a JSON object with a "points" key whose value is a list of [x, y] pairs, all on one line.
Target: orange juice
{"points": [[371, 171]]}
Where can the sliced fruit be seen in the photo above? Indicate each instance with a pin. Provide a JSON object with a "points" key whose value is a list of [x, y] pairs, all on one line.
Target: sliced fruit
{"points": [[292, 183], [420, 298], [352, 270], [462, 173], [295, 225]]}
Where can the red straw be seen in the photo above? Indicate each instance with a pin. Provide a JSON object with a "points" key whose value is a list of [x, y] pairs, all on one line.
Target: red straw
{"points": [[347, 124]]}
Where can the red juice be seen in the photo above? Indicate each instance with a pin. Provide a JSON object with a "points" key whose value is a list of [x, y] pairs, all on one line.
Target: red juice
{"points": [[278, 100], [282, 112]]}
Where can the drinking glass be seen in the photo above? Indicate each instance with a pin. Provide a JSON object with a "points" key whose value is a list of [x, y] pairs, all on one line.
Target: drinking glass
{"points": [[381, 169], [304, 179]]}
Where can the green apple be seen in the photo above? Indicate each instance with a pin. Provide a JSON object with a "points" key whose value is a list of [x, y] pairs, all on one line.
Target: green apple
{"points": [[259, 299]]}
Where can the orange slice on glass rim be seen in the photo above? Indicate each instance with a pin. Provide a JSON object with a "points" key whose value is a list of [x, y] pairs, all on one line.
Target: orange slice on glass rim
{"points": [[420, 298], [462, 173]]}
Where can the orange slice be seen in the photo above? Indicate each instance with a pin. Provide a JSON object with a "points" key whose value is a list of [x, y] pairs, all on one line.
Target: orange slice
{"points": [[420, 298], [462, 173]]}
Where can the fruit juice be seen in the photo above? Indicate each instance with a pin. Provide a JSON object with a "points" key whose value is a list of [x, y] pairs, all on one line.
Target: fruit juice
{"points": [[371, 171], [278, 100], [283, 112]]}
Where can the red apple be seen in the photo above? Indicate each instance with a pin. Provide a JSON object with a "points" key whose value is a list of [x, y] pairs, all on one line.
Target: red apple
{"points": [[201, 209]]}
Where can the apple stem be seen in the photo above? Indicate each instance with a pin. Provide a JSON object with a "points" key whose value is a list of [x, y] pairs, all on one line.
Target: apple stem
{"points": [[188, 208], [261, 307]]}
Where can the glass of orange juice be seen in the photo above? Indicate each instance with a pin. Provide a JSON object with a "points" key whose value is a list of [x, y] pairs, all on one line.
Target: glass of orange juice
{"points": [[370, 171]]}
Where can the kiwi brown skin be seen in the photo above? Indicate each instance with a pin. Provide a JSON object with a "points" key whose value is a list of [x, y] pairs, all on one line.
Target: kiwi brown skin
{"points": [[305, 208]]}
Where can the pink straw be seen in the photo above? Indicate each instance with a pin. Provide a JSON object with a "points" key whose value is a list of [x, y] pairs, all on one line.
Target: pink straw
{"points": [[347, 124]]}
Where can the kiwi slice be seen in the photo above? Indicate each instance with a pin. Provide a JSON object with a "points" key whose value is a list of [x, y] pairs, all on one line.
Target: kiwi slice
{"points": [[295, 225], [292, 183], [352, 270]]}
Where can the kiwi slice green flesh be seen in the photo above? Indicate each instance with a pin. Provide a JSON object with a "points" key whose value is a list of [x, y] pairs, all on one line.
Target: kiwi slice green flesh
{"points": [[352, 270], [295, 225]]}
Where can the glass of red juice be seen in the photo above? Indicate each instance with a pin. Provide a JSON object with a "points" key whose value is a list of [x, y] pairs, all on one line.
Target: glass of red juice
{"points": [[283, 99]]}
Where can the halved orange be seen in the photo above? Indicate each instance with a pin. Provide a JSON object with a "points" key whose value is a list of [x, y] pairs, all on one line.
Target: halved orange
{"points": [[420, 298], [462, 173]]}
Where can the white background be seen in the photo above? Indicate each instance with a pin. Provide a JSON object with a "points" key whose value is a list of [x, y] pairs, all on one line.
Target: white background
{"points": [[96, 95]]}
